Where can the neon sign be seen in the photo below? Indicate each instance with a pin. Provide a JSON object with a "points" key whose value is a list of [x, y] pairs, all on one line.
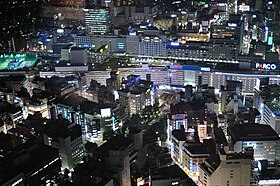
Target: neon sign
{"points": [[266, 66]]}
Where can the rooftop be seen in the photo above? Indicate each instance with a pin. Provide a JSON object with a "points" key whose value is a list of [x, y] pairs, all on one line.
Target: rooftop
{"points": [[70, 64], [253, 132], [77, 101], [274, 105], [30, 150], [196, 148], [77, 48], [183, 107], [93, 169], [118, 143], [9, 142], [9, 108], [62, 128], [220, 137], [179, 134], [211, 164], [171, 172]]}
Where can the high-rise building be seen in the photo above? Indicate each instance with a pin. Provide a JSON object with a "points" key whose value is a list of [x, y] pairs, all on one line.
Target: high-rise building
{"points": [[116, 153], [178, 140], [67, 139], [262, 138], [226, 169], [97, 20], [152, 46], [226, 40]]}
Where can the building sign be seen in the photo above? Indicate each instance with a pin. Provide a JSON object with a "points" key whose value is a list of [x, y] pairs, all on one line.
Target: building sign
{"points": [[106, 113], [120, 45], [205, 69], [244, 8], [265, 66], [190, 67]]}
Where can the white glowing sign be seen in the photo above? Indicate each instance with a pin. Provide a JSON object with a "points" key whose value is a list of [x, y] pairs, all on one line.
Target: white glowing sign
{"points": [[266, 66], [106, 113]]}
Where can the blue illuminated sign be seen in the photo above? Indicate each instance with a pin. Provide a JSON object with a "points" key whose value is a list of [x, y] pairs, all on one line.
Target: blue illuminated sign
{"points": [[189, 67], [175, 44], [120, 45]]}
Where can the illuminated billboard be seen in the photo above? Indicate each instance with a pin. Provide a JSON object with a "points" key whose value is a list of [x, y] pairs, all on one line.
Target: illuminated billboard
{"points": [[17, 61], [120, 45], [106, 113], [244, 8], [265, 66]]}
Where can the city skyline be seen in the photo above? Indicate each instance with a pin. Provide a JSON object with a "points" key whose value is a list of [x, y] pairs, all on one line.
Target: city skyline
{"points": [[138, 92]]}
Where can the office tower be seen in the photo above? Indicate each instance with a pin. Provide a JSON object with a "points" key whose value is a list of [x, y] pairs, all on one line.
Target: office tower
{"points": [[67, 139], [152, 46], [226, 169], [97, 20], [227, 39], [116, 153], [262, 138]]}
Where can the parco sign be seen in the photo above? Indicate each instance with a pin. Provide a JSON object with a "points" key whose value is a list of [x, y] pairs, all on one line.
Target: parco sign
{"points": [[266, 66]]}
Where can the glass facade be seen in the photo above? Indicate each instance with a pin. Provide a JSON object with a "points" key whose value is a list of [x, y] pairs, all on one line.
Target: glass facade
{"points": [[97, 20]]}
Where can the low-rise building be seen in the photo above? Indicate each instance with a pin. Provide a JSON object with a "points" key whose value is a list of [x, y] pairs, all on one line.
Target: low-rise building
{"points": [[136, 94], [194, 154]]}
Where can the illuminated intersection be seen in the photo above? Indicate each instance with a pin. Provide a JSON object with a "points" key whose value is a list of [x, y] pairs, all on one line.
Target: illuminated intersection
{"points": [[17, 61]]}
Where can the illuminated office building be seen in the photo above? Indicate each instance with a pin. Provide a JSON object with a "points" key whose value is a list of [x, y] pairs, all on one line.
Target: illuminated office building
{"points": [[178, 139], [136, 94], [226, 169], [194, 154], [266, 100], [262, 138], [97, 20], [226, 40], [67, 139], [152, 46]]}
